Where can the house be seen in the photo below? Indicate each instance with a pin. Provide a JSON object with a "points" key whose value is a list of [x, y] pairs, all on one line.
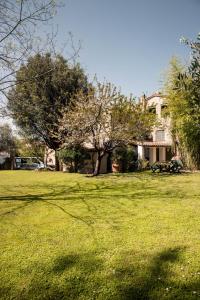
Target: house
{"points": [[88, 166], [158, 147]]}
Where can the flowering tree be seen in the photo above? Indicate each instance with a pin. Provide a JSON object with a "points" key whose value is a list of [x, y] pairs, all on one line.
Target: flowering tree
{"points": [[104, 119]]}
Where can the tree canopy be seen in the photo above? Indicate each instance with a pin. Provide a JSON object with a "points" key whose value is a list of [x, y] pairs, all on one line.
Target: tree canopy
{"points": [[182, 89], [45, 86], [7, 140]]}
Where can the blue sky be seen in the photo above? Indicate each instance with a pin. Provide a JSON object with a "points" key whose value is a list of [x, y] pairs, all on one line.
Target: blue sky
{"points": [[129, 42]]}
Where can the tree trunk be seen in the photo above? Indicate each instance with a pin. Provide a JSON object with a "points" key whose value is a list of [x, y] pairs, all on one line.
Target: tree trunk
{"points": [[57, 163], [98, 164], [12, 158]]}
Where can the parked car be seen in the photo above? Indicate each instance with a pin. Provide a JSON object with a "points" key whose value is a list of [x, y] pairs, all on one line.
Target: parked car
{"points": [[28, 163]]}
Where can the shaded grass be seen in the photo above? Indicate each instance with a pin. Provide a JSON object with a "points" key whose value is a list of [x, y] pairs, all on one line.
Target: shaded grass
{"points": [[123, 236]]}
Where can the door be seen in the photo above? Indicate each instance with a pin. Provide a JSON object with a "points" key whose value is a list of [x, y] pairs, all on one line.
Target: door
{"points": [[157, 154], [168, 153]]}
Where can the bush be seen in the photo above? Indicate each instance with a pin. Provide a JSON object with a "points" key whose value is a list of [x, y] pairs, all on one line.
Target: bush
{"points": [[73, 157], [143, 164], [126, 158]]}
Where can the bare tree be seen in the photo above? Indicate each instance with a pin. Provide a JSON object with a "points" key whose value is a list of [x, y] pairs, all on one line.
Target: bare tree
{"points": [[18, 38], [104, 119]]}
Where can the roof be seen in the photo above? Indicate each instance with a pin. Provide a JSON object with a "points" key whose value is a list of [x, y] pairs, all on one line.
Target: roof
{"points": [[155, 144], [157, 94]]}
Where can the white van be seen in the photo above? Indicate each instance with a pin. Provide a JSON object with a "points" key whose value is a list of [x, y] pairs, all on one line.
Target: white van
{"points": [[28, 163]]}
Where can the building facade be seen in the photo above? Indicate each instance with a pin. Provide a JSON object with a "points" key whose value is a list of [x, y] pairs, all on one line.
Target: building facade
{"points": [[158, 147]]}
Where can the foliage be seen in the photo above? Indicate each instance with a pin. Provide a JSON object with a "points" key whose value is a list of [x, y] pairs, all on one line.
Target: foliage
{"points": [[7, 140], [143, 164], [124, 236], [104, 119], [182, 89], [126, 157], [30, 148], [18, 146], [74, 157], [36, 104], [7, 145]]}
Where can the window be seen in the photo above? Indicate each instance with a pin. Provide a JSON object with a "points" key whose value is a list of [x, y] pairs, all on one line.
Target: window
{"points": [[160, 135], [152, 109], [164, 111]]}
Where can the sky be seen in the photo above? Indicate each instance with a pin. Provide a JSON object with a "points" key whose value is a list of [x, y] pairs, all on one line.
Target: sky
{"points": [[129, 42]]}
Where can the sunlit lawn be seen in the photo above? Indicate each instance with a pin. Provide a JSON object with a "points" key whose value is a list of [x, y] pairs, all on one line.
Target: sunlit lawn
{"points": [[131, 236]]}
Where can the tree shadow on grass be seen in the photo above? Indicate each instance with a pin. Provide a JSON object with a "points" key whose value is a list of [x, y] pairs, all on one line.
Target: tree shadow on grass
{"points": [[145, 174], [52, 197], [85, 276], [156, 276], [29, 199], [87, 262], [89, 196], [71, 277], [156, 283]]}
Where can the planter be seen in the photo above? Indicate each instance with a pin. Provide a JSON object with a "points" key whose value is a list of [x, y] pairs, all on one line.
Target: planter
{"points": [[116, 168]]}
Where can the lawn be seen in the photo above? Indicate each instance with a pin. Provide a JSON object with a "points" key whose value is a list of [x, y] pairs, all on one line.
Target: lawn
{"points": [[128, 236]]}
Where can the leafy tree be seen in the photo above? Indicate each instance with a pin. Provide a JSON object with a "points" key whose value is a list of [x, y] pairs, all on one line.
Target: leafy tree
{"points": [[26, 147], [37, 104], [182, 89], [104, 119], [7, 142]]}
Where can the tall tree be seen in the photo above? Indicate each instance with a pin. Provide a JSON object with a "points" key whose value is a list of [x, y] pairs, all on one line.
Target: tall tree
{"points": [[182, 89], [36, 104], [104, 119]]}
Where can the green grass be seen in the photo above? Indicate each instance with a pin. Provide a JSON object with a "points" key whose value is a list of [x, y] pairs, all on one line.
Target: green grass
{"points": [[129, 236]]}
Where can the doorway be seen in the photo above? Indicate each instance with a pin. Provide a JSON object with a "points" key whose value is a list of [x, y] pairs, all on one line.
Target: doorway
{"points": [[157, 154]]}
